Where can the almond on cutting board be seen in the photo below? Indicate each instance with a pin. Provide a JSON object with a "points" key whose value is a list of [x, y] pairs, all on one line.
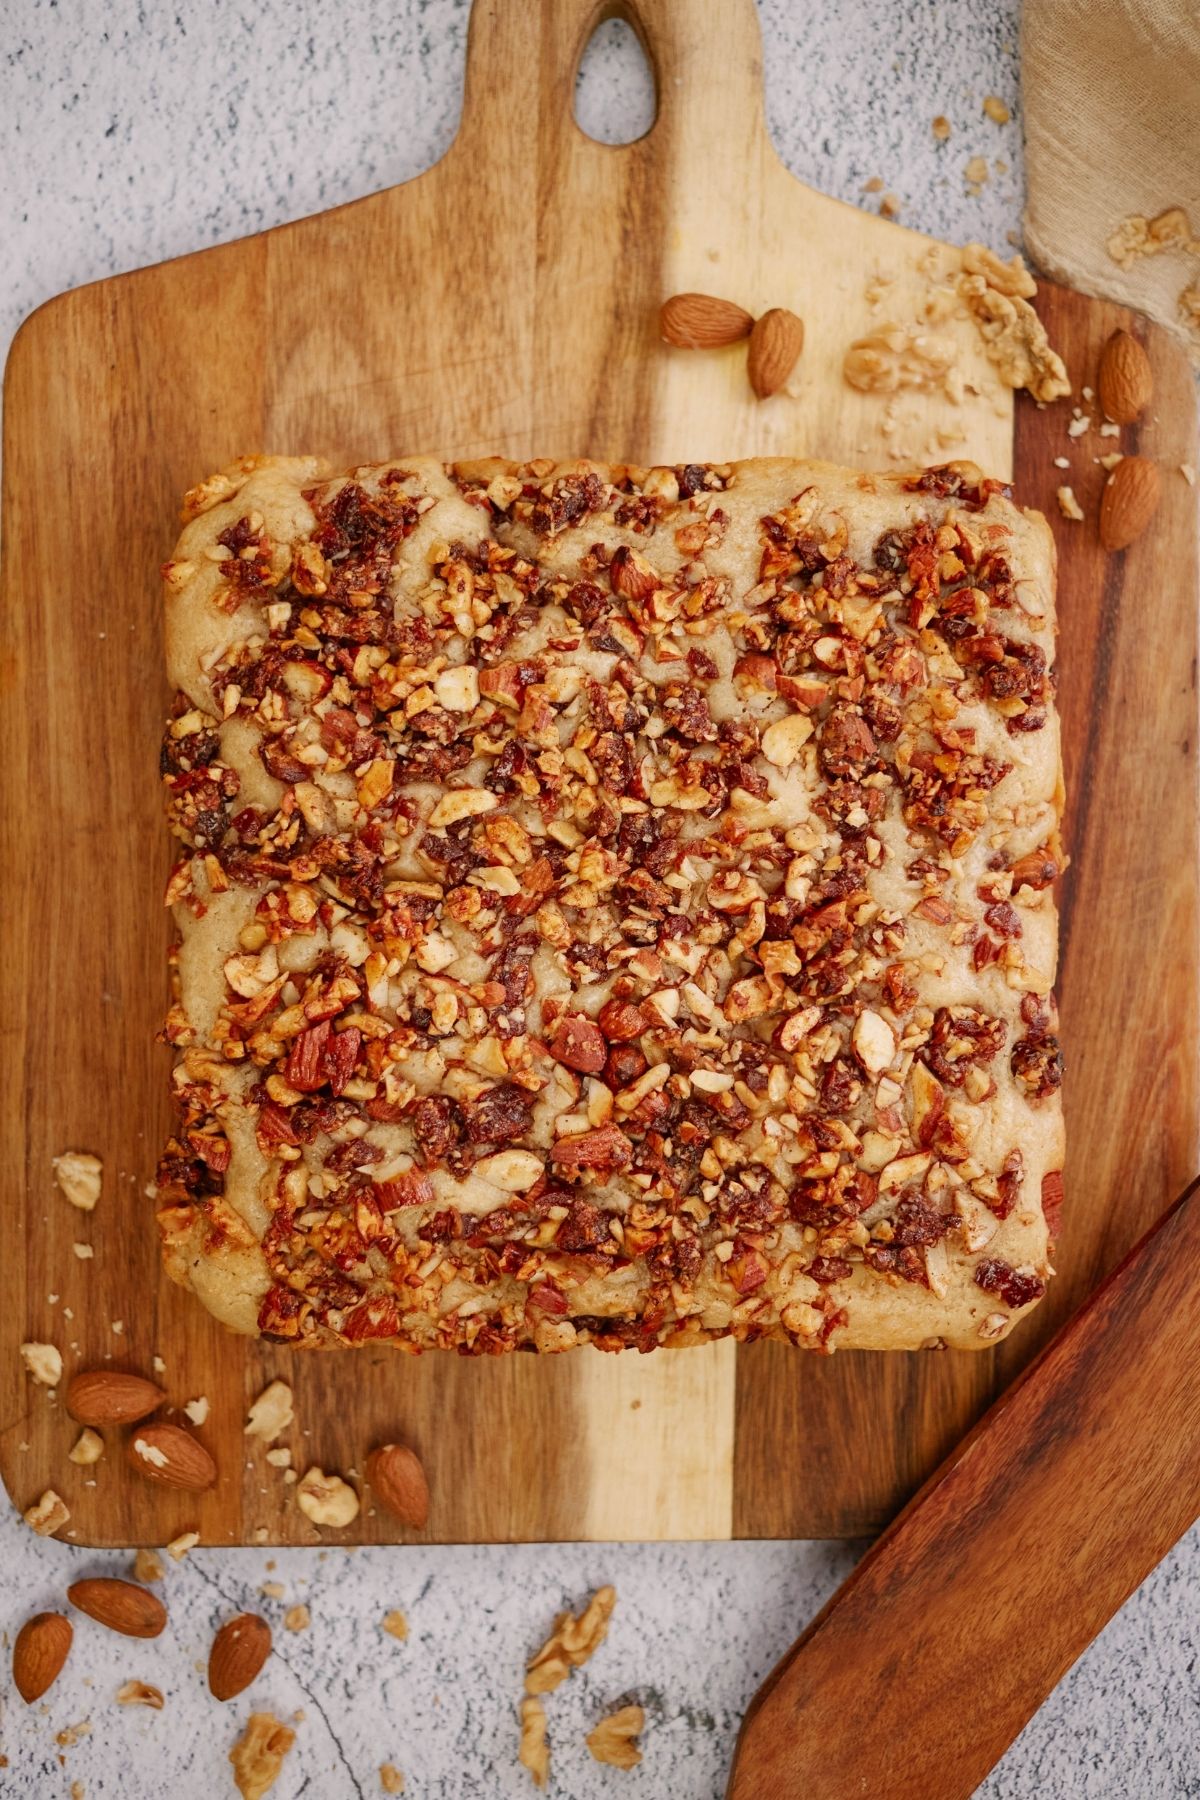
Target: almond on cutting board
{"points": [[1125, 381], [239, 1650], [775, 346], [39, 1654], [398, 1482], [702, 322], [119, 1605], [172, 1457], [112, 1397], [1129, 502]]}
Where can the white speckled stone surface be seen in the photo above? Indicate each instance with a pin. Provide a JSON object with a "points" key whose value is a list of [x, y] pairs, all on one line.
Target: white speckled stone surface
{"points": [[131, 132]]}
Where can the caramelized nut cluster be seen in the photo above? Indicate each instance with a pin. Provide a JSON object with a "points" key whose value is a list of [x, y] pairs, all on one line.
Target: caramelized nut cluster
{"points": [[615, 904]]}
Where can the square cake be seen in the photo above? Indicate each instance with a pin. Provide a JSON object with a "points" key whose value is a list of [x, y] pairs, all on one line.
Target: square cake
{"points": [[616, 905]]}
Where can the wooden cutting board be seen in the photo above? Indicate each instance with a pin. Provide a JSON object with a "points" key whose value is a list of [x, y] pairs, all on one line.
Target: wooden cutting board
{"points": [[506, 301]]}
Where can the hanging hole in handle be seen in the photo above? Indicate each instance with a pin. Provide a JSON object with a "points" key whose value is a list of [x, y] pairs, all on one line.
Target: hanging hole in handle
{"points": [[616, 100]]}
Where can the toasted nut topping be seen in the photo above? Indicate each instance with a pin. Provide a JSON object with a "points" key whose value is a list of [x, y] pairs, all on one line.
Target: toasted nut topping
{"points": [[461, 803], [874, 1044]]}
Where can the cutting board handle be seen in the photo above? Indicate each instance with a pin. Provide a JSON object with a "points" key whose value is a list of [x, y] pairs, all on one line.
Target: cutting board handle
{"points": [[524, 55]]}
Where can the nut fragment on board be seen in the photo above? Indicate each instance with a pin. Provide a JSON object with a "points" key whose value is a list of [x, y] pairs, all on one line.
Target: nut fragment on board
{"points": [[271, 1413], [1125, 381], [534, 1752], [44, 1362], [88, 1448], [398, 1482], [894, 356], [258, 1755], [703, 322], [179, 1546], [613, 1739], [79, 1176], [775, 346], [326, 1499], [1068, 505], [1129, 502], [39, 1653], [1013, 336], [47, 1515], [571, 1643]]}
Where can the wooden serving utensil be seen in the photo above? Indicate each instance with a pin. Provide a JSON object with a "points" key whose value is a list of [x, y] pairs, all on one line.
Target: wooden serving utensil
{"points": [[958, 1622]]}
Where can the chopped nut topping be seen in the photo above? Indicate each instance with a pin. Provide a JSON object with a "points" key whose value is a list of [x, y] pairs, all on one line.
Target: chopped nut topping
{"points": [[78, 1175], [612, 1740], [258, 1755]]}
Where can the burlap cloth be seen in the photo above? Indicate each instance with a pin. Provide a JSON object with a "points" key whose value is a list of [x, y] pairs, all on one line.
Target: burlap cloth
{"points": [[1111, 97]]}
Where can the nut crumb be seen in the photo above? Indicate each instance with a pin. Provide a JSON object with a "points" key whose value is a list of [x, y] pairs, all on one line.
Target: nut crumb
{"points": [[47, 1515], [994, 108], [1062, 462], [178, 1547], [79, 1175], [139, 1693], [197, 1410], [1188, 473], [84, 1252], [1110, 461], [272, 1412], [258, 1755], [273, 1590], [571, 1643], [1068, 505], [873, 186], [612, 1740], [44, 1362], [976, 171], [395, 1624], [535, 1751], [148, 1566], [941, 128], [297, 1618], [1077, 427], [390, 1779], [70, 1735], [87, 1448], [280, 1458], [889, 206]]}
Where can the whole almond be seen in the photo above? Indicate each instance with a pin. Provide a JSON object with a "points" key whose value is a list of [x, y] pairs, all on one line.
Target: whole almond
{"points": [[398, 1483], [133, 1611], [39, 1654], [775, 345], [240, 1649], [1128, 502], [171, 1456], [111, 1397], [702, 322], [1125, 381]]}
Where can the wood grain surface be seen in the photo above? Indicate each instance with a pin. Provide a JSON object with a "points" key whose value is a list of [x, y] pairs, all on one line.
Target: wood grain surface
{"points": [[507, 301], [1008, 1563]]}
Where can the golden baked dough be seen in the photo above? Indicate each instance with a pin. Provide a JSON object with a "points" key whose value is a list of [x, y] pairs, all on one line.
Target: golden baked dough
{"points": [[616, 904]]}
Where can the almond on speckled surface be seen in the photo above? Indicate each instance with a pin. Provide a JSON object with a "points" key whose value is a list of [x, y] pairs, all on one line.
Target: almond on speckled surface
{"points": [[39, 1653], [112, 1397], [398, 1482], [119, 1605], [239, 1650]]}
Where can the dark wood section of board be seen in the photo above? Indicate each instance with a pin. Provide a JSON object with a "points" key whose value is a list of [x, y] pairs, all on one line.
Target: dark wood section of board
{"points": [[992, 1554], [1128, 970]]}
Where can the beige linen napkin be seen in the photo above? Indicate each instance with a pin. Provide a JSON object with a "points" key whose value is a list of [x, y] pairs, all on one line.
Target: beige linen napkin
{"points": [[1111, 97]]}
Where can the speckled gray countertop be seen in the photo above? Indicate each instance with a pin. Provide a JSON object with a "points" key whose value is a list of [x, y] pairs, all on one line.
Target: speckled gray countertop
{"points": [[137, 129]]}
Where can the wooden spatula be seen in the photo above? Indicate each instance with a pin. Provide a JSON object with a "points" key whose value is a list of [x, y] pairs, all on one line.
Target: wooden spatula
{"points": [[950, 1633]]}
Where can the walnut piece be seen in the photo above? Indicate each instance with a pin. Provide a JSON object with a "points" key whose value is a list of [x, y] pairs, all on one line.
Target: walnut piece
{"points": [[571, 1643], [326, 1499], [612, 1740], [534, 1752], [1015, 339], [271, 1413], [258, 1755], [44, 1362], [47, 1515], [894, 356], [78, 1175]]}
